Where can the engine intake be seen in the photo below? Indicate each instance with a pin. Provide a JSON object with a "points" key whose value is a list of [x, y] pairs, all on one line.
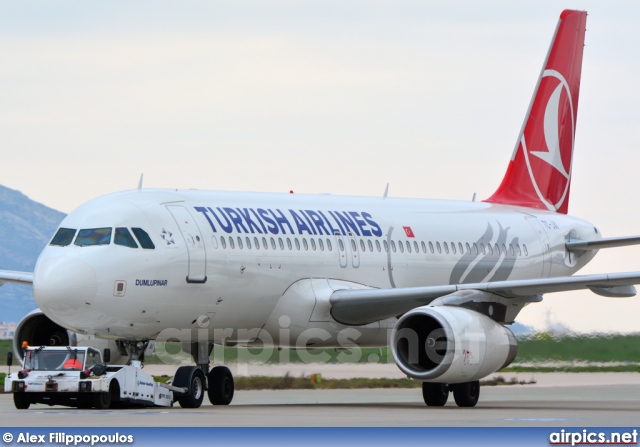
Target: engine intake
{"points": [[38, 330], [450, 344]]}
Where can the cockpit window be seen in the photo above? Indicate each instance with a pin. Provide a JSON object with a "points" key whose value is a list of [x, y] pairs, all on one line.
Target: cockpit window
{"points": [[93, 236], [143, 238], [63, 237], [123, 237]]}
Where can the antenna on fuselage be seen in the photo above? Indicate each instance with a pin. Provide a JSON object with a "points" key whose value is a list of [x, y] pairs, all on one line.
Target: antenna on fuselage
{"points": [[386, 192], [474, 197], [140, 182]]}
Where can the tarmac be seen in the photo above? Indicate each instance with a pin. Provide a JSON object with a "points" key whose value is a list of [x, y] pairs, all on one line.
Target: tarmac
{"points": [[556, 399]]}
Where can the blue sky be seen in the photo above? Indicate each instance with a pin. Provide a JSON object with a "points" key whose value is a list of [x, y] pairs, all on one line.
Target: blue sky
{"points": [[337, 97]]}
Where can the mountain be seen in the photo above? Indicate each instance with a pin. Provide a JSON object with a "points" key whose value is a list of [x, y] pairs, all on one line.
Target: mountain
{"points": [[520, 330], [26, 227]]}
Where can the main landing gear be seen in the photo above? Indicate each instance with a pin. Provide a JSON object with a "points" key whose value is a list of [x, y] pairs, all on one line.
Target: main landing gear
{"points": [[218, 385], [465, 394], [197, 380]]}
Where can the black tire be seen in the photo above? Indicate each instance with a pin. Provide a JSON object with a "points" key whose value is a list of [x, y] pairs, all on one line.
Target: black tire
{"points": [[221, 386], [21, 401], [102, 401], [466, 394], [435, 394], [192, 378]]}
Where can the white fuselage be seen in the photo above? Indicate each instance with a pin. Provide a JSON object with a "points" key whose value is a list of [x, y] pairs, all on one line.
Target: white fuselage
{"points": [[225, 260]]}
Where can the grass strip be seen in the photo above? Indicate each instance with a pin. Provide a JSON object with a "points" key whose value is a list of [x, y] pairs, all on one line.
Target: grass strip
{"points": [[316, 382]]}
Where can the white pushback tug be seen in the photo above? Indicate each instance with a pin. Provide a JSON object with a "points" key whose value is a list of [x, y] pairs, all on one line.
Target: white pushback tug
{"points": [[79, 377]]}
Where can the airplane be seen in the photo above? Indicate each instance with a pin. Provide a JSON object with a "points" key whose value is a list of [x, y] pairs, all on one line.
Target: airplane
{"points": [[436, 280]]}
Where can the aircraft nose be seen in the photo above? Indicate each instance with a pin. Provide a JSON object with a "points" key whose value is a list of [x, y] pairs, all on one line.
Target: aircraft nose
{"points": [[63, 286]]}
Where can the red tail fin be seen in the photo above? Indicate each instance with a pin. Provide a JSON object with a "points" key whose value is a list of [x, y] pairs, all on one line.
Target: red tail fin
{"points": [[539, 173]]}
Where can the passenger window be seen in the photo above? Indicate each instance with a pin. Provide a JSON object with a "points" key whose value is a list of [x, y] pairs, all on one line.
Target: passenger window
{"points": [[424, 247], [511, 252], [143, 238], [63, 237], [264, 243], [297, 244], [214, 242], [223, 242], [401, 246], [239, 242], [408, 246], [281, 243], [460, 248], [431, 247], [231, 244], [446, 247], [386, 246], [524, 248], [321, 244], [370, 245], [362, 247], [518, 250], [273, 244], [93, 236], [490, 250], [124, 238], [438, 247], [256, 243], [415, 246], [329, 247], [475, 248], [453, 248], [482, 249], [353, 245], [313, 244], [393, 246], [378, 246], [504, 249], [341, 244], [248, 241], [468, 248], [289, 246], [305, 244]]}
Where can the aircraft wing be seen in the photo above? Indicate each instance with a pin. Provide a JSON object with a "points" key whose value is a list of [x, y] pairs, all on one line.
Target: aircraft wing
{"points": [[17, 277], [362, 306]]}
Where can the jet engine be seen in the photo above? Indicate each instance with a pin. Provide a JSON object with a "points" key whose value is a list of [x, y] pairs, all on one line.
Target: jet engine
{"points": [[38, 330], [446, 344]]}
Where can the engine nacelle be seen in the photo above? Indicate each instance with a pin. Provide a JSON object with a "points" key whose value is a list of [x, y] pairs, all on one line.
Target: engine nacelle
{"points": [[38, 330], [450, 344]]}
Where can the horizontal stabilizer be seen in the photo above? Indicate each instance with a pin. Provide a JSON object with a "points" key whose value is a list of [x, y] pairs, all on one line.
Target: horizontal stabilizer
{"points": [[610, 242]]}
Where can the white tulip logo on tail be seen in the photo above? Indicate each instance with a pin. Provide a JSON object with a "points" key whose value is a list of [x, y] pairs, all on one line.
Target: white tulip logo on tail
{"points": [[553, 140]]}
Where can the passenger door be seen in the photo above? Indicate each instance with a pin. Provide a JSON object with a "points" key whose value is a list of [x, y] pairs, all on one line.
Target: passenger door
{"points": [[197, 272]]}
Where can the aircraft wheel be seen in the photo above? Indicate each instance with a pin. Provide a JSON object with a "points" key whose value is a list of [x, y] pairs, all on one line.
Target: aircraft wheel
{"points": [[221, 386], [466, 394], [192, 378], [21, 401], [435, 394]]}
